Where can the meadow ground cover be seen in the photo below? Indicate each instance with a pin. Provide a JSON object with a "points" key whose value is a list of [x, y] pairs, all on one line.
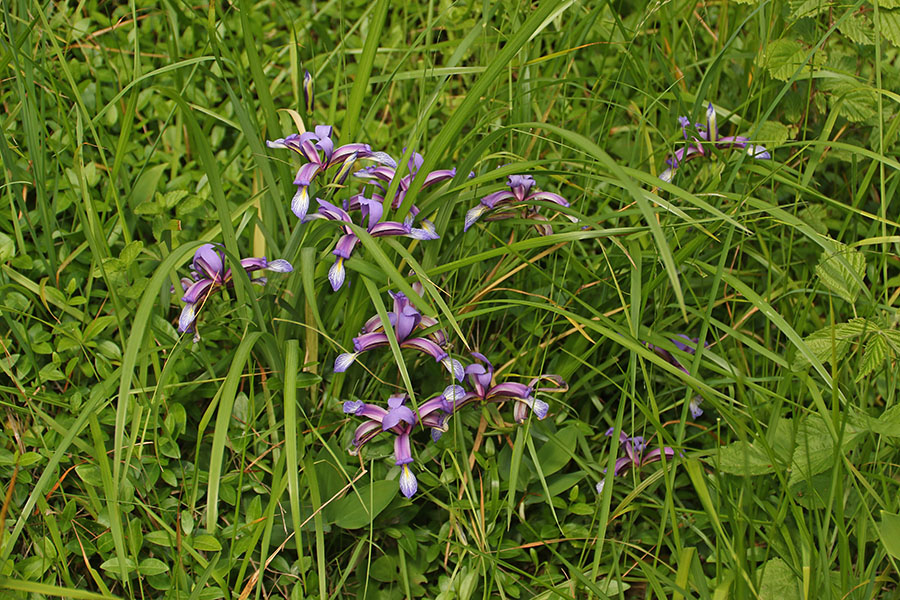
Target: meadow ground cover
{"points": [[353, 299]]}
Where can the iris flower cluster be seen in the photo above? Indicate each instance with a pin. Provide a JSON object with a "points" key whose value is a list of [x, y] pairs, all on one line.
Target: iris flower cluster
{"points": [[420, 332], [210, 275], [704, 134]]}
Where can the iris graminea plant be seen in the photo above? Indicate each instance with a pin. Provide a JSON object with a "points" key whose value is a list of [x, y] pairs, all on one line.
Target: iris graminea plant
{"points": [[505, 203], [705, 134], [634, 455], [406, 320], [210, 275]]}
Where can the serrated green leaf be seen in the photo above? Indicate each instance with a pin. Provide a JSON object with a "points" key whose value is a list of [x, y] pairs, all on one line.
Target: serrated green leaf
{"points": [[171, 198], [855, 101], [842, 272], [782, 58], [772, 134], [890, 24], [859, 28], [808, 8], [149, 208], [834, 342], [131, 252], [875, 353]]}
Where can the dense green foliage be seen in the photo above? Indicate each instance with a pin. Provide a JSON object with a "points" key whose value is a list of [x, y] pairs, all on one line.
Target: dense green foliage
{"points": [[136, 461]]}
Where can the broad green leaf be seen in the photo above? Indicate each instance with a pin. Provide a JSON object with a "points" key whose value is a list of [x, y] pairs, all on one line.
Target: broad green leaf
{"points": [[557, 452], [815, 449], [207, 543], [7, 248], [889, 532], [744, 458], [842, 272], [778, 581], [361, 505], [152, 566], [807, 8]]}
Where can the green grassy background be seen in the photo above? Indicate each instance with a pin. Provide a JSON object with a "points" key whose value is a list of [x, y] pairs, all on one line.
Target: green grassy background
{"points": [[137, 463]]}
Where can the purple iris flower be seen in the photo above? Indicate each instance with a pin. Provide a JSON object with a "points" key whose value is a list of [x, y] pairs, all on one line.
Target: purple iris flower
{"points": [[682, 342], [406, 320], [708, 132], [480, 376], [400, 419], [382, 175], [372, 211], [634, 455], [318, 148], [518, 192], [210, 274]]}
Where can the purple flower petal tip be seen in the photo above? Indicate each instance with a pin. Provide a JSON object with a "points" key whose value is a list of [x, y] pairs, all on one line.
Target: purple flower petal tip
{"points": [[353, 407], [600, 485], [187, 317], [408, 483], [540, 408], [280, 266], [337, 274], [343, 362]]}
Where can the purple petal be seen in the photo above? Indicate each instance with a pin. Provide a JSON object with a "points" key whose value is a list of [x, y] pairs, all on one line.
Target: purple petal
{"points": [[187, 318], [549, 197], [345, 245], [337, 274], [280, 266], [343, 361], [492, 201], [473, 215], [210, 261], [509, 390], [300, 202], [694, 407], [407, 316], [656, 454], [194, 293], [408, 483], [428, 347], [520, 185]]}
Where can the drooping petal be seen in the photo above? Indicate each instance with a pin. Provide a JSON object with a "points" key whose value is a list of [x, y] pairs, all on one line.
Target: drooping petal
{"points": [[346, 166], [383, 158], [712, 130], [307, 173], [538, 407], [196, 291], [438, 176], [363, 434], [425, 233], [757, 151], [509, 390], [346, 151], [343, 361], [187, 318], [300, 202], [280, 266], [454, 367], [694, 407], [427, 346], [473, 215], [389, 228], [408, 483], [337, 274]]}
